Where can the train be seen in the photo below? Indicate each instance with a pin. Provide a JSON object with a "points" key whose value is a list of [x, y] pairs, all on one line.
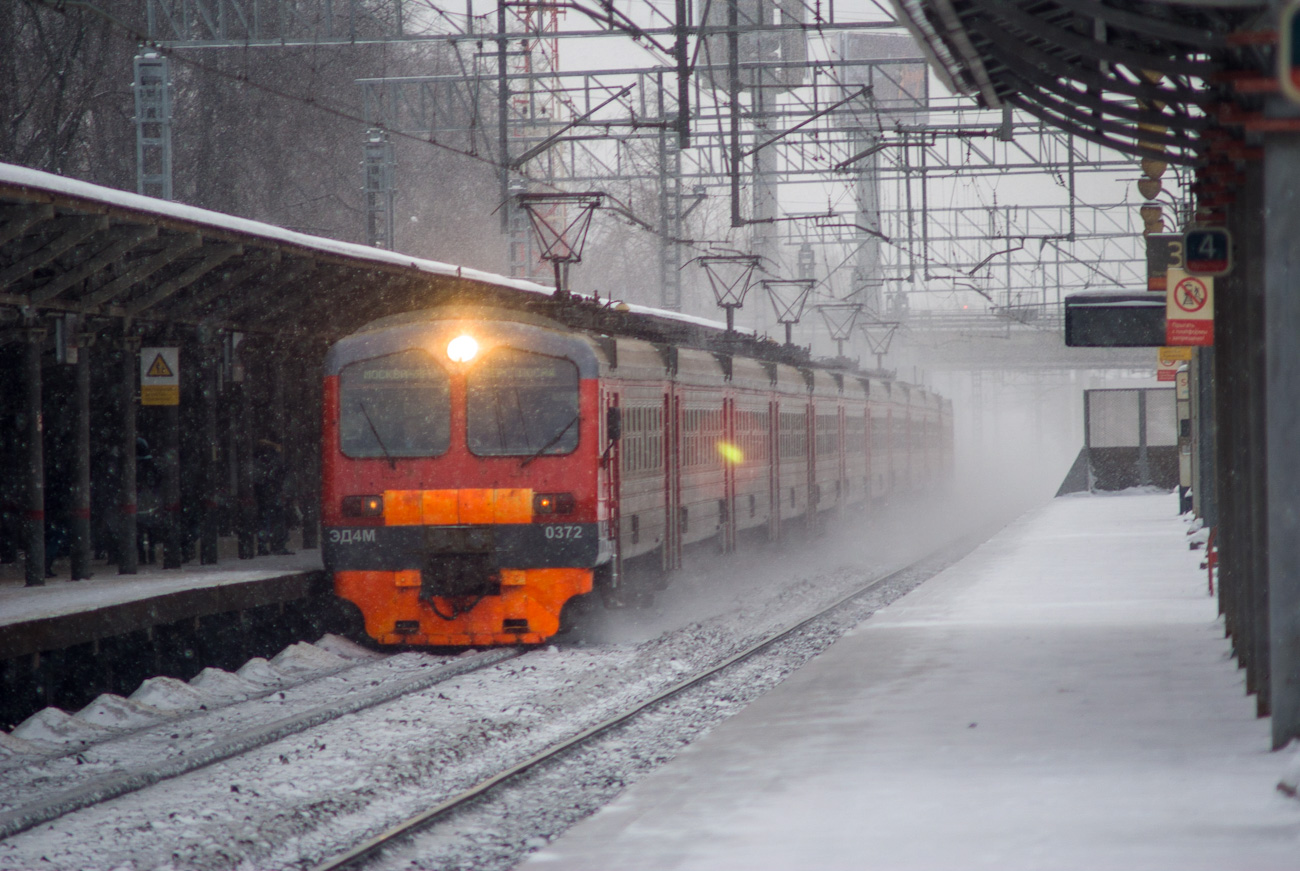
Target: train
{"points": [[484, 467]]}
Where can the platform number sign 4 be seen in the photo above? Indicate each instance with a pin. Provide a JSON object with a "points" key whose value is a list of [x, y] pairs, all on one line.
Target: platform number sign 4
{"points": [[1207, 251], [1288, 50]]}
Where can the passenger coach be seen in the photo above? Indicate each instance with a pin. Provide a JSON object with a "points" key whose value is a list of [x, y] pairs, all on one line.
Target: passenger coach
{"points": [[482, 468]]}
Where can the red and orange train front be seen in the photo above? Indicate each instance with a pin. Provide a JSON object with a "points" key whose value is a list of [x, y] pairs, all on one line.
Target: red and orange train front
{"points": [[460, 477]]}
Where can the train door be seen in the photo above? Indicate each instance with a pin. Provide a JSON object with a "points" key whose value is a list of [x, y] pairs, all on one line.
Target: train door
{"points": [[891, 475], [867, 481], [773, 470], [842, 478], [612, 465], [810, 451], [911, 449], [727, 521], [672, 481]]}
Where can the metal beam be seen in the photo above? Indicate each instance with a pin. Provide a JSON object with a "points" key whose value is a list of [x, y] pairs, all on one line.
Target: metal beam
{"points": [[1085, 47], [294, 271], [26, 218], [142, 269], [1056, 66], [75, 230], [112, 254], [231, 280], [213, 257], [1039, 111], [1026, 72]]}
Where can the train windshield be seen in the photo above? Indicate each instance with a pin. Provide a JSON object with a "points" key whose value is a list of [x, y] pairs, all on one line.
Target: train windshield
{"points": [[522, 404], [395, 406]]}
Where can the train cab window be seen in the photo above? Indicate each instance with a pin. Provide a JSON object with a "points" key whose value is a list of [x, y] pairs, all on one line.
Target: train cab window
{"points": [[398, 405], [522, 404]]}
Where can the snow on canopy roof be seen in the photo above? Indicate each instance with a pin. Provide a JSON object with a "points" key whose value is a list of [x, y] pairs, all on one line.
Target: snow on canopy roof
{"points": [[32, 179], [1116, 298]]}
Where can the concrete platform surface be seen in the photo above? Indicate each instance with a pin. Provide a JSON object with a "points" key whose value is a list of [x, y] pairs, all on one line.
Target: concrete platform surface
{"points": [[1062, 698], [63, 613]]}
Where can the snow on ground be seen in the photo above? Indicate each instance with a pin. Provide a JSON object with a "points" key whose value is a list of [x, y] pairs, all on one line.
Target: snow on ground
{"points": [[315, 794], [500, 829], [1061, 698]]}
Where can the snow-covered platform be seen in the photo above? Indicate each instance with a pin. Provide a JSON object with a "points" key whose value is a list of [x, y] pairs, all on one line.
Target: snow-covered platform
{"points": [[1062, 698], [63, 613]]}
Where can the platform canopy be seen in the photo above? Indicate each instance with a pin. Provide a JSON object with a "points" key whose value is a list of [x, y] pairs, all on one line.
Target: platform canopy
{"points": [[1153, 79], [69, 247]]}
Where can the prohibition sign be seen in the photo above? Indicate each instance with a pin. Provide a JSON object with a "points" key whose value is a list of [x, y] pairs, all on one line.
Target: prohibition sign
{"points": [[1190, 294]]}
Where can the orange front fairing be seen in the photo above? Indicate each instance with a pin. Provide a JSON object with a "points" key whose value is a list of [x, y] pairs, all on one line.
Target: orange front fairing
{"points": [[455, 555], [530, 603]]}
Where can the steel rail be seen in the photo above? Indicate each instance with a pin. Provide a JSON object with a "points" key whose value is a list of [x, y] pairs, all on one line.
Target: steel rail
{"points": [[418, 821], [120, 783]]}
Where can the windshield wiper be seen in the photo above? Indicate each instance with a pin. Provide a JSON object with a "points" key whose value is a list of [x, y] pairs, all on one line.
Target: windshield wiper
{"points": [[546, 447], [392, 464]]}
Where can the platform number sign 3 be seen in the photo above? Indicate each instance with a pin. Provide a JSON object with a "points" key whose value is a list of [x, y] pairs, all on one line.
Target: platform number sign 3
{"points": [[1207, 251], [1288, 50]]}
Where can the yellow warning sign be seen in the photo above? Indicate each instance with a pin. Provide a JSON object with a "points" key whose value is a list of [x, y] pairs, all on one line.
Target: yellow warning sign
{"points": [[160, 376], [159, 395], [159, 368]]}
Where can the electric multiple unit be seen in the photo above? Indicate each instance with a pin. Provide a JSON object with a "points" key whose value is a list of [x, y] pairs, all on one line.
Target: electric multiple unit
{"points": [[483, 468]]}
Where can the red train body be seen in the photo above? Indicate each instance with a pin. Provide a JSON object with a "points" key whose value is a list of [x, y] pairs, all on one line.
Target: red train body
{"points": [[480, 470]]}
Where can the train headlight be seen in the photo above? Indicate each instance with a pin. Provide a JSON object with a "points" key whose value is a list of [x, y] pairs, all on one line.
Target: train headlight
{"points": [[462, 349], [553, 503], [362, 506]]}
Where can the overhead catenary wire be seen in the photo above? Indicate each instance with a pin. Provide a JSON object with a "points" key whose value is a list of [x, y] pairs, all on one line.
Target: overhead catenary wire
{"points": [[813, 149]]}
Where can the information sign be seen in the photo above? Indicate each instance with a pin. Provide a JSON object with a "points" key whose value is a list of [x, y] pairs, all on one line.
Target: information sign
{"points": [[1168, 361], [1207, 251], [160, 376], [1164, 252], [1189, 309]]}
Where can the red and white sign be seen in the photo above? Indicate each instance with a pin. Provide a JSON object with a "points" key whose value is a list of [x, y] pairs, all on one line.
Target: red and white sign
{"points": [[1168, 361], [1189, 309]]}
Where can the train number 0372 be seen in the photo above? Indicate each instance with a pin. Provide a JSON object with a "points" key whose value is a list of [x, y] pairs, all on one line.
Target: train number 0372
{"points": [[563, 532]]}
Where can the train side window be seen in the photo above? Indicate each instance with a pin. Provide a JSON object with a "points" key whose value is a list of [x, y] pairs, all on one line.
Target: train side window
{"points": [[398, 405], [642, 444]]}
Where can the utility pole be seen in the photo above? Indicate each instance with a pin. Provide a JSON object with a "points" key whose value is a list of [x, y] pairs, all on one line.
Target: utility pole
{"points": [[381, 167], [503, 121], [153, 126]]}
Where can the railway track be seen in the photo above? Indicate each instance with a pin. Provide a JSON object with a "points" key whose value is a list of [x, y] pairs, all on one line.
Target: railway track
{"points": [[361, 853], [536, 738], [200, 753]]}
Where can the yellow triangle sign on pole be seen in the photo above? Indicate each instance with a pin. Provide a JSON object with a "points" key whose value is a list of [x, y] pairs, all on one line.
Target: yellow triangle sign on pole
{"points": [[159, 368], [160, 381]]}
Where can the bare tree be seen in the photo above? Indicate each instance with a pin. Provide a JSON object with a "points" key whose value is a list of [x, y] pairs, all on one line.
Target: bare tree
{"points": [[65, 106], [272, 133]]}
